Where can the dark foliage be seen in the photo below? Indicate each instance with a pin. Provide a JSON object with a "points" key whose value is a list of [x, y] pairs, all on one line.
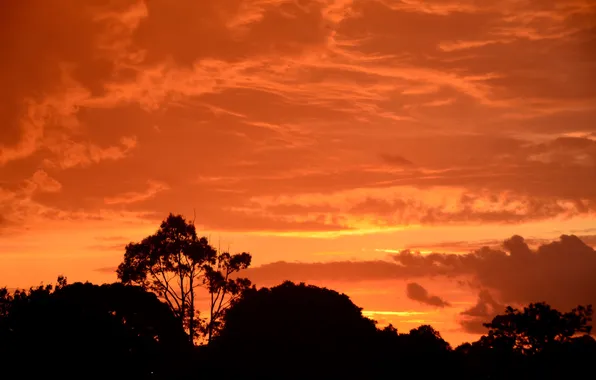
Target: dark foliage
{"points": [[291, 331], [175, 264], [88, 331], [296, 331], [537, 342], [411, 353]]}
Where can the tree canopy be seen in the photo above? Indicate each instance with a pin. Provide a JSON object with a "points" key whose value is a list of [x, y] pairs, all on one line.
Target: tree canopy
{"points": [[290, 331], [175, 264], [536, 327], [70, 329], [275, 328]]}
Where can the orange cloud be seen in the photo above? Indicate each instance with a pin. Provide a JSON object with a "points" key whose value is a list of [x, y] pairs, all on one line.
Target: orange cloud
{"points": [[71, 153], [132, 197], [302, 127], [301, 114], [43, 182]]}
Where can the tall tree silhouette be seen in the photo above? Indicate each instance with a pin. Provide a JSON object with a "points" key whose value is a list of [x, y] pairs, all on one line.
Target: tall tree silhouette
{"points": [[174, 263], [223, 290]]}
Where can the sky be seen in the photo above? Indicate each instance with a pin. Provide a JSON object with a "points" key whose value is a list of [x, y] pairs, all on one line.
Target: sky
{"points": [[435, 160]]}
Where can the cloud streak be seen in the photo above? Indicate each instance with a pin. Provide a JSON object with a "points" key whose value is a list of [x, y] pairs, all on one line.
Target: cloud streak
{"points": [[153, 188]]}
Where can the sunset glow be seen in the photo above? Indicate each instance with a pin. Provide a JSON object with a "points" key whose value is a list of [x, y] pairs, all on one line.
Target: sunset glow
{"points": [[343, 143]]}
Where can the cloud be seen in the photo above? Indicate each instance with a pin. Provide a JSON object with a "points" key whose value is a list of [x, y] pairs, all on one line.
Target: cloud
{"points": [[72, 153], [417, 292], [43, 182], [356, 271], [108, 270], [46, 83], [153, 189], [378, 207], [589, 240], [230, 29], [485, 309], [281, 120], [463, 247], [558, 272], [395, 159], [363, 117]]}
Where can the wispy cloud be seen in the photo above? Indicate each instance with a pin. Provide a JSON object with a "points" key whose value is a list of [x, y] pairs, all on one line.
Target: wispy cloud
{"points": [[153, 188], [275, 119]]}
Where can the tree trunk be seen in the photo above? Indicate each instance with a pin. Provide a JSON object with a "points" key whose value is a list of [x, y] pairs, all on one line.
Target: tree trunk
{"points": [[210, 325], [191, 313]]}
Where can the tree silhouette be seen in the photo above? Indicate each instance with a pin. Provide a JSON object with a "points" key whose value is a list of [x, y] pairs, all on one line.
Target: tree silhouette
{"points": [[408, 351], [112, 330], [538, 342], [426, 338], [223, 290], [536, 327], [174, 263], [292, 331]]}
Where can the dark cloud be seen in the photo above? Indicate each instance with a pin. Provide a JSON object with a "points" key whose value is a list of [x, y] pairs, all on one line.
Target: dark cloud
{"points": [[417, 292], [519, 272], [470, 246], [485, 309], [558, 272], [395, 159], [454, 246]]}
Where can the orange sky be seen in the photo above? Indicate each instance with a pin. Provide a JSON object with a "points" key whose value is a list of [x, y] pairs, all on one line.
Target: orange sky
{"points": [[309, 131]]}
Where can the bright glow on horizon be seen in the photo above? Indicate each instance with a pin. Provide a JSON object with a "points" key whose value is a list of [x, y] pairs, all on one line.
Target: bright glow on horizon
{"points": [[331, 133]]}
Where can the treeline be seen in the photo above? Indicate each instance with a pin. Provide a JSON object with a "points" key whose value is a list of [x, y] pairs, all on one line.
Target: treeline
{"points": [[291, 331], [146, 326]]}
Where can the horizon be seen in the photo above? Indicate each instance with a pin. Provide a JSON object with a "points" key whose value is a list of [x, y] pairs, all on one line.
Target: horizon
{"points": [[328, 138]]}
